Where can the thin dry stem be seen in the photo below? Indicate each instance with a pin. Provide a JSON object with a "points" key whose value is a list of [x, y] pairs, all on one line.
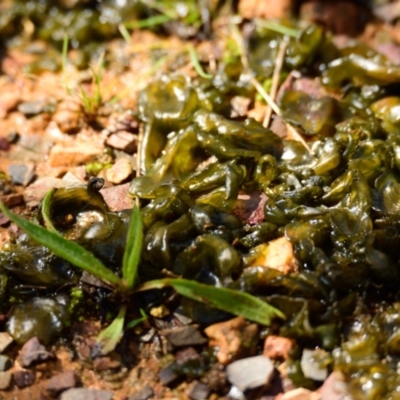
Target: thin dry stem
{"points": [[275, 80], [298, 136], [268, 99]]}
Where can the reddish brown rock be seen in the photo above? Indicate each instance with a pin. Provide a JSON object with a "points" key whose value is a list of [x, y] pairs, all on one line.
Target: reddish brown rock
{"points": [[70, 155], [24, 378], [301, 394], [68, 117], [185, 355], [265, 8], [61, 382], [105, 363], [12, 200], [277, 254], [9, 100], [340, 16], [120, 171], [250, 207], [32, 352], [234, 339], [123, 140], [117, 197], [278, 347]]}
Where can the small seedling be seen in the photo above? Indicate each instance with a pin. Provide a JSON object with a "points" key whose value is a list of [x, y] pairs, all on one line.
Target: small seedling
{"points": [[91, 100], [229, 300]]}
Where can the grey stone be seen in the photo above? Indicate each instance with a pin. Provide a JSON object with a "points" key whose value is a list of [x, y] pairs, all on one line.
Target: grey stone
{"points": [[184, 336], [5, 380], [250, 373], [21, 174], [5, 340], [31, 108], [144, 394], [198, 391], [168, 376], [312, 364], [32, 352], [24, 378], [86, 394], [59, 383], [5, 363]]}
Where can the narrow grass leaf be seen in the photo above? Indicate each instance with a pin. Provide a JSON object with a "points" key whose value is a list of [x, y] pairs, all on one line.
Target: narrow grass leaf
{"points": [[64, 248], [64, 54], [230, 300], [124, 33], [277, 27], [196, 64], [109, 337], [149, 22], [137, 321], [133, 248], [46, 209]]}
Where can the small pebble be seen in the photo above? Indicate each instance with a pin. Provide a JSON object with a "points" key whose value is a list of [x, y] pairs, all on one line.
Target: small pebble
{"points": [[105, 363], [124, 141], [120, 171], [144, 394], [301, 394], [198, 391], [190, 353], [5, 340], [12, 200], [77, 153], [31, 108], [60, 382], [117, 197], [5, 363], [5, 380], [33, 352], [184, 336], [86, 394], [168, 376], [21, 174], [311, 361], [278, 347], [334, 387], [24, 378], [250, 373], [234, 339], [4, 144]]}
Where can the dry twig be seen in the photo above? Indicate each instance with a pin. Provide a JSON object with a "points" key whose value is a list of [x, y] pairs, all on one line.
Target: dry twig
{"points": [[275, 80], [268, 99]]}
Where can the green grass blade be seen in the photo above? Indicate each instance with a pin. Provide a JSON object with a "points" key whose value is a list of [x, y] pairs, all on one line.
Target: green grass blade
{"points": [[64, 248], [124, 33], [109, 337], [46, 209], [64, 54], [277, 27], [132, 249], [137, 321], [149, 22], [196, 64], [233, 301]]}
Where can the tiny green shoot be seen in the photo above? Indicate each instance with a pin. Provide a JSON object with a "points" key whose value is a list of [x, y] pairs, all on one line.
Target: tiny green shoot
{"points": [[278, 27], [196, 63], [124, 33], [46, 211]]}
